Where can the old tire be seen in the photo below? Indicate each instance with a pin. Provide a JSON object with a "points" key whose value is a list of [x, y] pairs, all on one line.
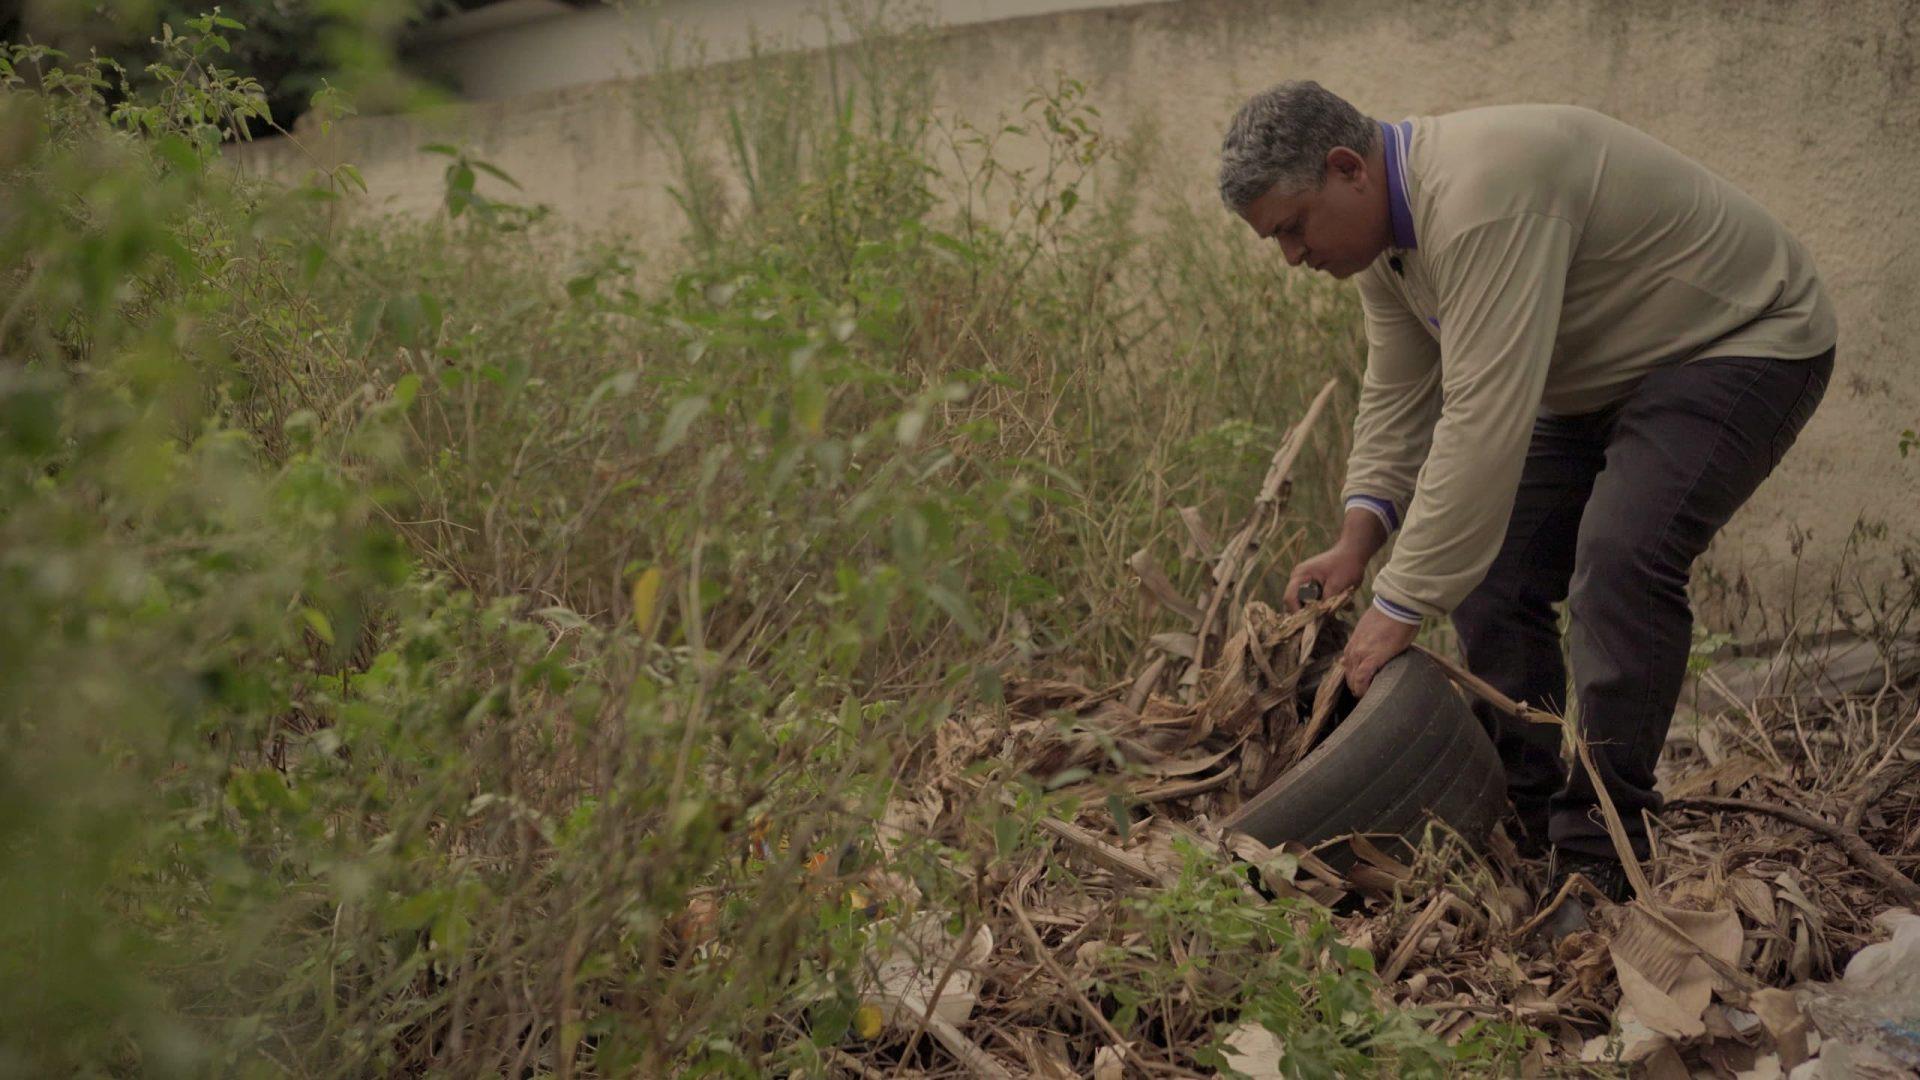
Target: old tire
{"points": [[1408, 751]]}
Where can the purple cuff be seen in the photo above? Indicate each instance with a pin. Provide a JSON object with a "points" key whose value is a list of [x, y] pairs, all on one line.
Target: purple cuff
{"points": [[1380, 508], [1395, 612]]}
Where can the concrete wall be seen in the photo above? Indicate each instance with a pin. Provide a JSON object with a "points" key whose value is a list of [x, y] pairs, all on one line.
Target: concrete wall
{"points": [[1809, 105], [517, 47]]}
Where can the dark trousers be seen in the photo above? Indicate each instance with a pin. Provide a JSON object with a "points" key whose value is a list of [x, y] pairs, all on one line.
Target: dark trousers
{"points": [[1613, 509]]}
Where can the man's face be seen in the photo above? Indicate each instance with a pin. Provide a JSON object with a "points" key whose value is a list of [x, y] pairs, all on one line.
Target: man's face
{"points": [[1338, 228]]}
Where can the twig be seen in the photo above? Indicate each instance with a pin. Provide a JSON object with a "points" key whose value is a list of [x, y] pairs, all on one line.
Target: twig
{"points": [[1183, 789], [1040, 953], [1402, 953], [1102, 852], [966, 1050], [1274, 486], [1324, 700], [852, 1064], [1871, 792], [1720, 687], [1574, 883], [1848, 841], [1485, 690], [940, 987], [1267, 504]]}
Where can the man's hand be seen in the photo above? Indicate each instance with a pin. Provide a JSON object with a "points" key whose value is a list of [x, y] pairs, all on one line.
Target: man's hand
{"points": [[1376, 639], [1336, 569], [1341, 566]]}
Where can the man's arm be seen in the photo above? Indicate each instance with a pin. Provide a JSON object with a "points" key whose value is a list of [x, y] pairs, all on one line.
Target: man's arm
{"points": [[1500, 286], [1399, 397], [1399, 401]]}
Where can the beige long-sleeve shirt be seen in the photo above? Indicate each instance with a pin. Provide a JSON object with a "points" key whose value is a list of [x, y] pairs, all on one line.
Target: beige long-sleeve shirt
{"points": [[1544, 259]]}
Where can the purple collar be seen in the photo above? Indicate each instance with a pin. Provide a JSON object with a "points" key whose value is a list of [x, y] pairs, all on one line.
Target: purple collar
{"points": [[1397, 137]]}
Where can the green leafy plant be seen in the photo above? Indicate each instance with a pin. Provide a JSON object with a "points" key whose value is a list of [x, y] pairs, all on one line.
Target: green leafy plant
{"points": [[437, 645]]}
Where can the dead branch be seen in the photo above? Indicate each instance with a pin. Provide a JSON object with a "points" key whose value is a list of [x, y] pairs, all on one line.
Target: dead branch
{"points": [[1099, 1019], [1267, 507], [1847, 840]]}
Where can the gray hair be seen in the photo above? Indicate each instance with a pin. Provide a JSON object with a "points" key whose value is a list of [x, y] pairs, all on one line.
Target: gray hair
{"points": [[1281, 137]]}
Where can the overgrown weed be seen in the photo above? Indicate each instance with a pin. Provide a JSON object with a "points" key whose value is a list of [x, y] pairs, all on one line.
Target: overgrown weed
{"points": [[428, 653]]}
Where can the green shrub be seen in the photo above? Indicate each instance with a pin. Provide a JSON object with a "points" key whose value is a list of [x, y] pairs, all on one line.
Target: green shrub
{"points": [[413, 631]]}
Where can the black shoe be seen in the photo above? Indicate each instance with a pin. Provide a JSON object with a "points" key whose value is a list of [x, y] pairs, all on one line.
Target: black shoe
{"points": [[1606, 875], [1602, 872], [1530, 843]]}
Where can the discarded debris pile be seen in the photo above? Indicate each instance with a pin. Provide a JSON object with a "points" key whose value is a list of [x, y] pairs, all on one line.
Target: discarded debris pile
{"points": [[1247, 690], [1201, 757], [1772, 932]]}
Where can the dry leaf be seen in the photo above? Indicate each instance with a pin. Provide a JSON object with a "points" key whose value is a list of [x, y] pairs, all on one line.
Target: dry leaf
{"points": [[1201, 544], [1722, 779], [1154, 581], [1202, 738], [1636, 1041], [1662, 979], [698, 925], [1043, 1061], [1754, 898], [1663, 1012], [922, 953], [1665, 1064], [1780, 1014], [1255, 1051], [1372, 855], [1175, 643]]}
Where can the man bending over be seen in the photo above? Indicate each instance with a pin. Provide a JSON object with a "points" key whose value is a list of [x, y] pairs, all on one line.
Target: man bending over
{"points": [[1584, 352]]}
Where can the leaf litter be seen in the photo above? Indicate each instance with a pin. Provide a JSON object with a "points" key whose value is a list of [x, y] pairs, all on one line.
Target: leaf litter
{"points": [[1772, 933]]}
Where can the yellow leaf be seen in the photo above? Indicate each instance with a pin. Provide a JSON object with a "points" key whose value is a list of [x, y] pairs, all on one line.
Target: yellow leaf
{"points": [[646, 590], [866, 1021], [321, 625]]}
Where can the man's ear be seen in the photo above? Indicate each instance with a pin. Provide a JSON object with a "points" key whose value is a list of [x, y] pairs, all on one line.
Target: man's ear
{"points": [[1347, 165]]}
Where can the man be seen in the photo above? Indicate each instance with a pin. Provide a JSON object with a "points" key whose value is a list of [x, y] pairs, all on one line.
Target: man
{"points": [[1584, 352]]}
